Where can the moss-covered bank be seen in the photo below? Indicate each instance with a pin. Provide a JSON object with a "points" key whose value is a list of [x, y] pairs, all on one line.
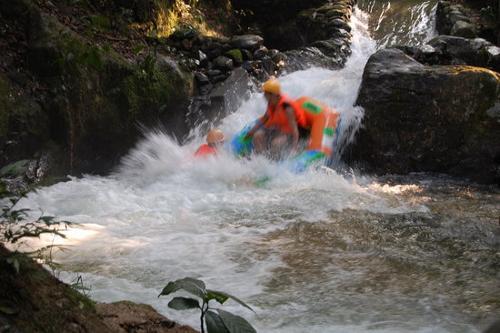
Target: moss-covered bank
{"points": [[63, 87], [32, 300]]}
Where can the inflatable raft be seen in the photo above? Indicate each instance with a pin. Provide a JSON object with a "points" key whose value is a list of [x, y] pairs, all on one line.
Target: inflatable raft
{"points": [[323, 132]]}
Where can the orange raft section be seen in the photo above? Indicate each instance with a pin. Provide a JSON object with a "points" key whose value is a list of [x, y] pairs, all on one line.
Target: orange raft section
{"points": [[321, 121]]}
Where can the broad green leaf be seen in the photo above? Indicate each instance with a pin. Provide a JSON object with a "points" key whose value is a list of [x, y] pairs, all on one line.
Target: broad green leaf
{"points": [[217, 295], [183, 303], [215, 323], [223, 294], [234, 323], [192, 286]]}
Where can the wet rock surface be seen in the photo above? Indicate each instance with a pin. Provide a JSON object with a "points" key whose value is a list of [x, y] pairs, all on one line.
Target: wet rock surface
{"points": [[223, 98], [326, 34], [454, 19], [451, 50], [469, 19], [428, 118]]}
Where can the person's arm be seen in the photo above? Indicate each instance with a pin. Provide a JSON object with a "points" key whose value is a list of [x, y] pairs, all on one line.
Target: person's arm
{"points": [[290, 114], [258, 124]]}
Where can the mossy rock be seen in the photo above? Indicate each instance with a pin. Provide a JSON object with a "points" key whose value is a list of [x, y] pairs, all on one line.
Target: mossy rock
{"points": [[98, 97], [236, 55], [34, 301]]}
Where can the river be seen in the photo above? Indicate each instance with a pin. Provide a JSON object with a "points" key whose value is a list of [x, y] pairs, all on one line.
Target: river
{"points": [[315, 252]]}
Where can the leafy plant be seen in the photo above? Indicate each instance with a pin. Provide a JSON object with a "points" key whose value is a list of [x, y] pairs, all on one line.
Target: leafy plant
{"points": [[78, 285], [216, 322], [16, 226]]}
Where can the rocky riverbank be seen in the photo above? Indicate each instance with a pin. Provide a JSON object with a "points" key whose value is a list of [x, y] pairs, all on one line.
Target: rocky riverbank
{"points": [[33, 300]]}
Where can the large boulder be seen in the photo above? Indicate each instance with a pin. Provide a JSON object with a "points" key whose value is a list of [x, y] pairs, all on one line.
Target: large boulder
{"points": [[428, 118]]}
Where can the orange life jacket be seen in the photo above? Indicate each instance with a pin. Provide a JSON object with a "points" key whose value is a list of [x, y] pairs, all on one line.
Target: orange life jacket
{"points": [[205, 150], [277, 117], [310, 109], [321, 121]]}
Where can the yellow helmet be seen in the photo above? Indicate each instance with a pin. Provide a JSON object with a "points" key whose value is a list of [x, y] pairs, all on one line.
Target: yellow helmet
{"points": [[272, 86], [215, 136]]}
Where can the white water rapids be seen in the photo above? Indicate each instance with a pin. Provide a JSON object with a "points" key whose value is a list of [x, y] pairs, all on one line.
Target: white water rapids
{"points": [[164, 216]]}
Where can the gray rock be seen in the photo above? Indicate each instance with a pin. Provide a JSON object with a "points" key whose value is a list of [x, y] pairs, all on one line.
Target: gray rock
{"points": [[247, 55], [273, 52], [225, 98], [247, 65], [202, 57], [201, 78], [250, 42], [214, 72], [223, 62], [219, 78], [260, 52], [268, 65], [463, 29], [459, 50], [339, 23], [279, 57]]}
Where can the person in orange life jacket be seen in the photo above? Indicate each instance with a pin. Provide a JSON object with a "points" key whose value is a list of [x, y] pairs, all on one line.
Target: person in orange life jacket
{"points": [[277, 128], [215, 138]]}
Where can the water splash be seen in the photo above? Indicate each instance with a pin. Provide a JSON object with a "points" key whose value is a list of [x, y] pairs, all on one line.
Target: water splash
{"points": [[404, 22]]}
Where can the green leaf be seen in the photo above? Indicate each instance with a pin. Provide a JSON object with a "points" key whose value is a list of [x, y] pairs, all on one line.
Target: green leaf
{"points": [[183, 303], [217, 295], [192, 286], [215, 323], [234, 323], [223, 294]]}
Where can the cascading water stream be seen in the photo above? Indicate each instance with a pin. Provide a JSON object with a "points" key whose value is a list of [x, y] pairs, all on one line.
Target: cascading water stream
{"points": [[312, 252]]}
